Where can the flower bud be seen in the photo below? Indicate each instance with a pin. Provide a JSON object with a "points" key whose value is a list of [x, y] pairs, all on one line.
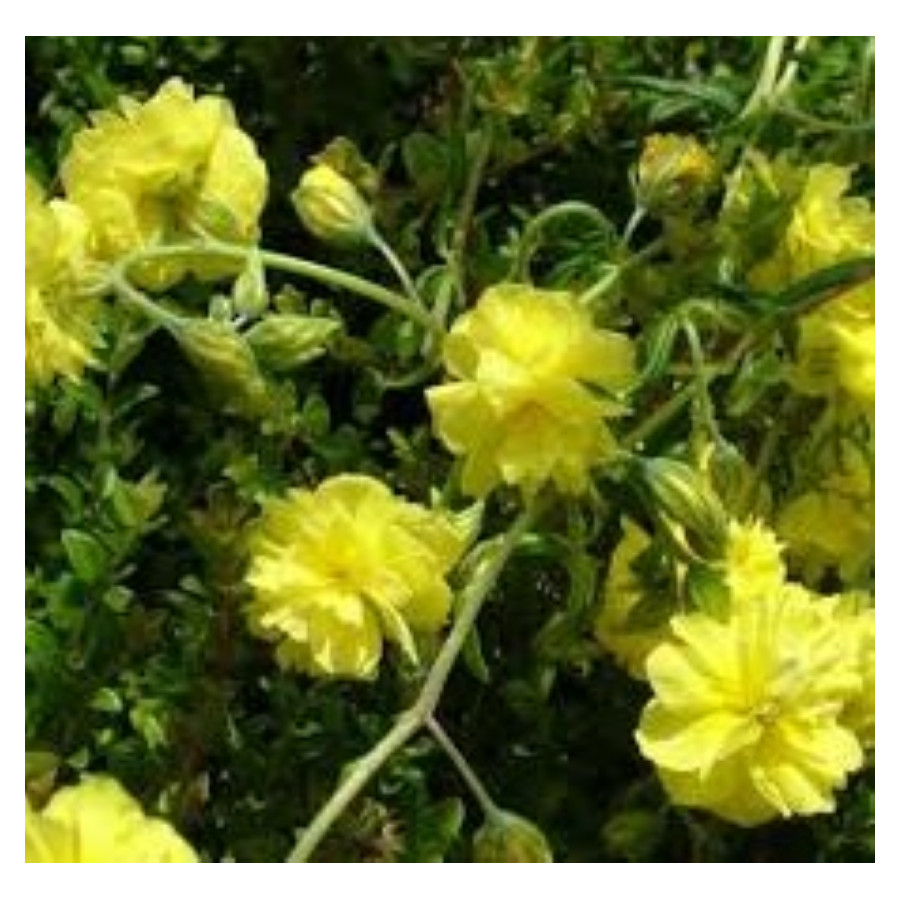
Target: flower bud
{"points": [[331, 207], [226, 363], [634, 835], [508, 838], [686, 498], [673, 172], [250, 296], [283, 342]]}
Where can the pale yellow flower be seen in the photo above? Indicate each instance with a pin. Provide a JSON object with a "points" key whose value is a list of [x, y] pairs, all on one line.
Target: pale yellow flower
{"points": [[856, 611], [339, 570], [97, 821], [833, 525], [164, 169], [746, 720], [59, 320], [521, 410]]}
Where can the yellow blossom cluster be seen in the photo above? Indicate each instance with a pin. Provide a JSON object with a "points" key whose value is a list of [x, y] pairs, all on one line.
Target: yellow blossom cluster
{"points": [[97, 821], [765, 710]]}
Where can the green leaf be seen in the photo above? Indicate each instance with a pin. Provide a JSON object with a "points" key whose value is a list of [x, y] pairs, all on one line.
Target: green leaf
{"points": [[107, 700], [708, 591], [86, 554], [426, 161], [433, 831], [39, 763]]}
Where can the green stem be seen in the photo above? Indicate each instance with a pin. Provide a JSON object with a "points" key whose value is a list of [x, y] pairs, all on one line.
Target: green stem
{"points": [[295, 266], [767, 77], [660, 417], [460, 239], [610, 279], [633, 224], [126, 291], [528, 240], [790, 70], [705, 413], [473, 782], [394, 261], [411, 721]]}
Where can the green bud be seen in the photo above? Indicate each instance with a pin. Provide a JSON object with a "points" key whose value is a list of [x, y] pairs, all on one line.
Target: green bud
{"points": [[508, 838], [331, 207], [249, 295], [226, 363], [283, 342], [634, 835], [686, 498]]}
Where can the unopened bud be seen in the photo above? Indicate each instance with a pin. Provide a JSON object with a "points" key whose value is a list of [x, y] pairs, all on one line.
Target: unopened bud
{"points": [[331, 207], [686, 498], [226, 363], [250, 296], [634, 835], [283, 342], [673, 172], [508, 838]]}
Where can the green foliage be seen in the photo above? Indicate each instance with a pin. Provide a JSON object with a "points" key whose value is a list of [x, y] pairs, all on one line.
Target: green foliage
{"points": [[141, 480]]}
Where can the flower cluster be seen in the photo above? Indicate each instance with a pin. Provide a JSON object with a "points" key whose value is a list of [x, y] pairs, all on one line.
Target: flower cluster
{"points": [[97, 821], [521, 409], [339, 570]]}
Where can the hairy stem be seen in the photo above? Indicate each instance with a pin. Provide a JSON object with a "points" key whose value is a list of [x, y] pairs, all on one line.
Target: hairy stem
{"points": [[473, 782], [293, 265], [768, 76], [410, 722]]}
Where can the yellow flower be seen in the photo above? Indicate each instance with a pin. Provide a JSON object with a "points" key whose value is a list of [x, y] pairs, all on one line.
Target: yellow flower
{"points": [[97, 821], [746, 718], [837, 353], [629, 643], [753, 564], [59, 327], [166, 168], [331, 207], [833, 526], [338, 570], [521, 411], [856, 612], [836, 343]]}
